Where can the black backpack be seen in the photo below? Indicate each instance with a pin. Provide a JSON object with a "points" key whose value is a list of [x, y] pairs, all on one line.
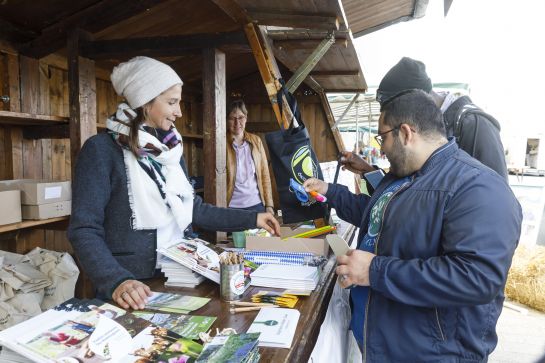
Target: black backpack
{"points": [[465, 111]]}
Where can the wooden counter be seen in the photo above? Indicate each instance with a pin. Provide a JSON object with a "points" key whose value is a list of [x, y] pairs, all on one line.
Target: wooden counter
{"points": [[312, 308]]}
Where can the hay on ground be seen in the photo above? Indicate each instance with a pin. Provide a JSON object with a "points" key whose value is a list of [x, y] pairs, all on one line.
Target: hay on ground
{"points": [[526, 280]]}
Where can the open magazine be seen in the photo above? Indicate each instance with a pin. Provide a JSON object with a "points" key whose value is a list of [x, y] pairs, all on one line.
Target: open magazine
{"points": [[198, 255], [92, 331]]}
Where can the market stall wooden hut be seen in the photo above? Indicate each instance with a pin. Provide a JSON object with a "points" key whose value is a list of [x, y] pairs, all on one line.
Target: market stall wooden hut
{"points": [[55, 60]]}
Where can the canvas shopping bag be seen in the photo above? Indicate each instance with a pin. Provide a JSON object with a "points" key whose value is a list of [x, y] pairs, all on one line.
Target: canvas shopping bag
{"points": [[21, 289], [332, 345], [292, 156], [61, 269]]}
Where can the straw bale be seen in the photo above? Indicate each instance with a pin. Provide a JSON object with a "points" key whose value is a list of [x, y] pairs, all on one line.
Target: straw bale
{"points": [[526, 280]]}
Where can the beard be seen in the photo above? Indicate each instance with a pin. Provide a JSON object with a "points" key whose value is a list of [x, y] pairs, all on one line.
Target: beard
{"points": [[398, 158]]}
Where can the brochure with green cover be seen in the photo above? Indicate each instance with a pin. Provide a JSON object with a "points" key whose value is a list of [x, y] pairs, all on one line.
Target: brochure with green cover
{"points": [[175, 303], [188, 326]]}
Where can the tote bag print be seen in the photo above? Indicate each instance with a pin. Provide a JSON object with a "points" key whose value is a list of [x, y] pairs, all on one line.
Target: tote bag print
{"points": [[302, 165]]}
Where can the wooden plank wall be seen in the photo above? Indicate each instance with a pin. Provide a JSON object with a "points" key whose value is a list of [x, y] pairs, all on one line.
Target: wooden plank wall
{"points": [[42, 90]]}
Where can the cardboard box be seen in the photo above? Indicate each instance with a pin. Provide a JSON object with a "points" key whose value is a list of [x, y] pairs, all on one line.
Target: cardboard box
{"points": [[318, 246], [45, 211], [11, 207], [36, 192]]}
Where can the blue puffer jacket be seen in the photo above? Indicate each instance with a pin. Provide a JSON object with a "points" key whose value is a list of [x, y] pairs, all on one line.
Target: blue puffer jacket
{"points": [[443, 253]]}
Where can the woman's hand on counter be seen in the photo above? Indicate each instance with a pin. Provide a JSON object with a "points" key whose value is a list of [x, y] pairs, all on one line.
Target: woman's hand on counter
{"points": [[269, 223], [132, 293]]}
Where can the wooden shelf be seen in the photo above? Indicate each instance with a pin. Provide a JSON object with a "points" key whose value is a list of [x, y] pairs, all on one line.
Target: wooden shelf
{"points": [[22, 119], [30, 223], [192, 136]]}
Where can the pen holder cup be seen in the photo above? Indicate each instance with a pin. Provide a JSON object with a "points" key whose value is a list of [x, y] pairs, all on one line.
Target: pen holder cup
{"points": [[239, 239], [232, 281]]}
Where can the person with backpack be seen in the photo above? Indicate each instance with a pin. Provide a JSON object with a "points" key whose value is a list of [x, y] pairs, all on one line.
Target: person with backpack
{"points": [[476, 132]]}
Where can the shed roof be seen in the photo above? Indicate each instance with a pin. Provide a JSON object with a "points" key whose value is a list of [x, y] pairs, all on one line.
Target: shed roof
{"points": [[40, 28]]}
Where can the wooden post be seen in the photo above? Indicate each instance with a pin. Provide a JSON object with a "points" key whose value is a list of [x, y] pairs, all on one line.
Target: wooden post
{"points": [[214, 129], [82, 96]]}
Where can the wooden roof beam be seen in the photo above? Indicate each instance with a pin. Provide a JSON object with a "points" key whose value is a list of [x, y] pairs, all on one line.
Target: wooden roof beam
{"points": [[277, 34], [93, 19], [294, 19], [13, 33], [293, 44], [162, 46]]}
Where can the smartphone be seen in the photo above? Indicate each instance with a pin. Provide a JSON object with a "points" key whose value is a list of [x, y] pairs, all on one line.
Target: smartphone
{"points": [[337, 244], [373, 178]]}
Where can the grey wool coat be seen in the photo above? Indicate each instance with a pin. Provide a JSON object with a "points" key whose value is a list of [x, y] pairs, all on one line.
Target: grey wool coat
{"points": [[100, 230]]}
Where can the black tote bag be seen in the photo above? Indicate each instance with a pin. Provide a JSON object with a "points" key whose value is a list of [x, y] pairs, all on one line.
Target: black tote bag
{"points": [[292, 156]]}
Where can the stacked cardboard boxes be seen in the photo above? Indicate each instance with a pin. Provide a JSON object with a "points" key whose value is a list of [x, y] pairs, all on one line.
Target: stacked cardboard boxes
{"points": [[41, 199], [10, 210]]}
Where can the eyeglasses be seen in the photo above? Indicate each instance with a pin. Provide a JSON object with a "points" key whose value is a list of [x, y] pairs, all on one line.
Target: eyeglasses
{"points": [[239, 118], [380, 137]]}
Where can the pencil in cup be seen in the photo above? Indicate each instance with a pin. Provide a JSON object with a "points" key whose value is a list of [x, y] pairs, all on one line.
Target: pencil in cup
{"points": [[232, 280]]}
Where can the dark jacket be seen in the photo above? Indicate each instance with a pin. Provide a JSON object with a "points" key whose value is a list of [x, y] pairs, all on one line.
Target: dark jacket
{"points": [[443, 252], [100, 231], [477, 133]]}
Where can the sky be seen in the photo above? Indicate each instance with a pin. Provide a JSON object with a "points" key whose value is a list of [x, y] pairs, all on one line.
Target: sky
{"points": [[496, 46]]}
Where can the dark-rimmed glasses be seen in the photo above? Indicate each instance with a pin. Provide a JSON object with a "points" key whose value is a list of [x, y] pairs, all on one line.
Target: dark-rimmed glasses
{"points": [[380, 137], [237, 119]]}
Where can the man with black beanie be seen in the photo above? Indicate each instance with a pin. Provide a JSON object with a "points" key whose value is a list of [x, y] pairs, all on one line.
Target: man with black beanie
{"points": [[476, 132]]}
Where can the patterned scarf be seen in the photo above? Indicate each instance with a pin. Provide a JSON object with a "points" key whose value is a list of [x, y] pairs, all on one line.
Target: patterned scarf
{"points": [[159, 191]]}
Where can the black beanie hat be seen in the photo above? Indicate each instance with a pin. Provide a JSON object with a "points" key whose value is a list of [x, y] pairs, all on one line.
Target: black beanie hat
{"points": [[407, 74]]}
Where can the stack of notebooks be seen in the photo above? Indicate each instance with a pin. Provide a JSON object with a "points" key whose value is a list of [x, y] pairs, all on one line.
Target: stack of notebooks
{"points": [[286, 277], [178, 275], [279, 258]]}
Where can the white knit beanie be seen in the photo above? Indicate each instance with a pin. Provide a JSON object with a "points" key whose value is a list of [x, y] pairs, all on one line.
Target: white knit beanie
{"points": [[141, 79]]}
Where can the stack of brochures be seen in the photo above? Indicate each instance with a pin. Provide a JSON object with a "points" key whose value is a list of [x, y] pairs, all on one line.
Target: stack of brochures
{"points": [[196, 254], [286, 277], [178, 275], [94, 331], [276, 327]]}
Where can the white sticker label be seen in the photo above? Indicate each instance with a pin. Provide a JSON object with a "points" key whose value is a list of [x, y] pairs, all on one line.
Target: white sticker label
{"points": [[53, 192], [237, 283]]}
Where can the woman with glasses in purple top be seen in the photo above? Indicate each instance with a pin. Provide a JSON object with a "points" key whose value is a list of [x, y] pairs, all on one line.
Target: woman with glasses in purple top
{"points": [[248, 178]]}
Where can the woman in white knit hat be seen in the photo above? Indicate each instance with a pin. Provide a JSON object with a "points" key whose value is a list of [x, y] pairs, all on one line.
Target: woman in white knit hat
{"points": [[131, 194]]}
